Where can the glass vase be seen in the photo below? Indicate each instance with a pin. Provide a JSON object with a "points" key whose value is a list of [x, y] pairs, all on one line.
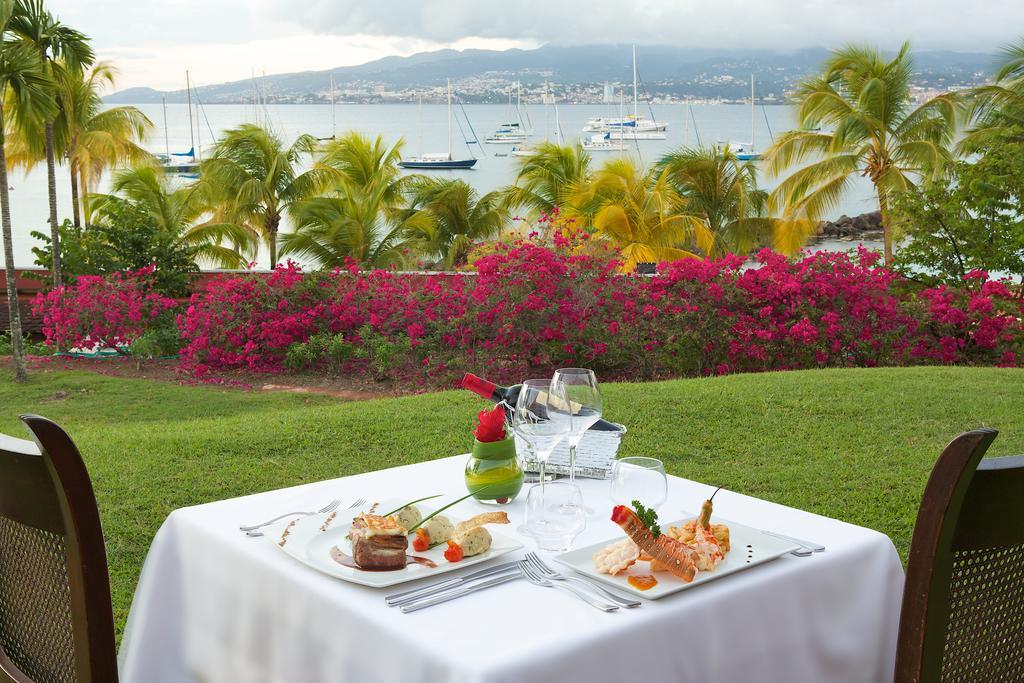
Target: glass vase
{"points": [[493, 473]]}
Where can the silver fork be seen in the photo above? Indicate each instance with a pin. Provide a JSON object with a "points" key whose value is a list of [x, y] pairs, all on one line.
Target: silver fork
{"points": [[549, 573], [330, 507], [534, 577]]}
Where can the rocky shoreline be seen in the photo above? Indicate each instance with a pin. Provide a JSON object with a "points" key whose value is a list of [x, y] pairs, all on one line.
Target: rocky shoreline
{"points": [[866, 226]]}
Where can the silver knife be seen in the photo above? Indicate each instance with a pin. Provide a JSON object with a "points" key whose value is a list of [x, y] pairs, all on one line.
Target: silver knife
{"points": [[810, 545], [460, 591], [396, 599]]}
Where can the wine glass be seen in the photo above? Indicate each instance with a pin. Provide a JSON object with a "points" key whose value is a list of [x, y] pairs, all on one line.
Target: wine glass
{"points": [[554, 515], [583, 397], [540, 419], [641, 479]]}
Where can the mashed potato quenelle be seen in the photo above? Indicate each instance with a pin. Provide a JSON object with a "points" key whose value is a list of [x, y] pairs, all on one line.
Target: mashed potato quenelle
{"points": [[409, 516], [440, 529]]}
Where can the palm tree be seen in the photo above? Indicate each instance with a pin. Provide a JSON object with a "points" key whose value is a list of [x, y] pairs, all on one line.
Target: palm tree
{"points": [[352, 224], [60, 48], [720, 188], [254, 179], [97, 138], [642, 214], [998, 108], [357, 161], [457, 214], [23, 79], [550, 177], [90, 137], [865, 100], [179, 214]]}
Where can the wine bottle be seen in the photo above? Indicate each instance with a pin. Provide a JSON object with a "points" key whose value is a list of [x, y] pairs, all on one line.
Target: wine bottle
{"points": [[509, 396]]}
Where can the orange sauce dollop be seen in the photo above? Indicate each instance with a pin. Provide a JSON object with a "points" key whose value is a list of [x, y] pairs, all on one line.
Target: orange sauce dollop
{"points": [[642, 583]]}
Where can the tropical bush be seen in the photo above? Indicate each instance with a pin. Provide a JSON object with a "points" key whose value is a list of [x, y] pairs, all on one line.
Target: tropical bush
{"points": [[126, 239], [529, 309], [104, 312]]}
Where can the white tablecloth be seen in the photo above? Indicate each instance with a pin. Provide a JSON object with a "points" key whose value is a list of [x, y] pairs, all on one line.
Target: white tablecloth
{"points": [[215, 606]]}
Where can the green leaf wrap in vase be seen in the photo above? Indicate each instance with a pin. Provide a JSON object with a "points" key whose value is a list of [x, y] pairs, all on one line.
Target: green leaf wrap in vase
{"points": [[493, 473]]}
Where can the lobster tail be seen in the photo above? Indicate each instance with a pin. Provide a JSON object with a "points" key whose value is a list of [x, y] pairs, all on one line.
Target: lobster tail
{"points": [[678, 558]]}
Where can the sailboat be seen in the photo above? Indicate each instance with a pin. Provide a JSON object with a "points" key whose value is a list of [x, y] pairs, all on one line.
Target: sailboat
{"points": [[750, 154], [632, 127], [440, 161], [604, 142], [180, 163], [525, 149], [745, 150], [334, 115], [514, 132]]}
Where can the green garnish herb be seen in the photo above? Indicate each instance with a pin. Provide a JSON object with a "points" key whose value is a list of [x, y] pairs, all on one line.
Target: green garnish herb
{"points": [[648, 516], [418, 500], [440, 510]]}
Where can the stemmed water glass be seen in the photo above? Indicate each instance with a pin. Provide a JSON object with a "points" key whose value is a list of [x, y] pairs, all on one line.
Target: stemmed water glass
{"points": [[583, 402], [583, 398], [540, 419]]}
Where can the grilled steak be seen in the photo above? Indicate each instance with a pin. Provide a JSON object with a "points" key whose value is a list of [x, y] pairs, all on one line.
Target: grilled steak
{"points": [[378, 543]]}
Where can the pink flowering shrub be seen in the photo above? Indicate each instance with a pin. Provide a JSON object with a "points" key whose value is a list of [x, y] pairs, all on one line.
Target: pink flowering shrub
{"points": [[251, 322], [529, 309], [104, 312]]}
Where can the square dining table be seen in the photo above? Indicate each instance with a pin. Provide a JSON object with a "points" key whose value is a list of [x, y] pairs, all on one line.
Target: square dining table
{"points": [[215, 606]]}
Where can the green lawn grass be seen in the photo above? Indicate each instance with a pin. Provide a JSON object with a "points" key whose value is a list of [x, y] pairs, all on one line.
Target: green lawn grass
{"points": [[852, 444]]}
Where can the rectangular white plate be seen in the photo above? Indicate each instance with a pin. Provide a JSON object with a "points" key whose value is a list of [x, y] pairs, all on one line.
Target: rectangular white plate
{"points": [[312, 547], [749, 548]]}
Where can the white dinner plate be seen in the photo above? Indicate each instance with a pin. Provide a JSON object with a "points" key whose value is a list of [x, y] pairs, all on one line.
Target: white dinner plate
{"points": [[310, 545], [749, 547]]}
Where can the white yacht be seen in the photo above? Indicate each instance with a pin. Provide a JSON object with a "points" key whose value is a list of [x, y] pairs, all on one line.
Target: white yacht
{"points": [[632, 126], [602, 142]]}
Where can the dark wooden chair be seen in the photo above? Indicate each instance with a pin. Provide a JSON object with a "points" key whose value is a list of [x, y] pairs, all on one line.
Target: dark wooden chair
{"points": [[963, 604], [56, 622]]}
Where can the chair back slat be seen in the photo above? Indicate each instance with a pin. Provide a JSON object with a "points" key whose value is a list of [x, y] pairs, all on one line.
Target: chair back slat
{"points": [[963, 603], [56, 622]]}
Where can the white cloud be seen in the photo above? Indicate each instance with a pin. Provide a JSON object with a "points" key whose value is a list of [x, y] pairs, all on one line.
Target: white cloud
{"points": [[154, 41], [700, 23]]}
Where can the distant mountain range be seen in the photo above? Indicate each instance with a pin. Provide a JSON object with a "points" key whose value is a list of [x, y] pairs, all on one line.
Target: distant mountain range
{"points": [[578, 74]]}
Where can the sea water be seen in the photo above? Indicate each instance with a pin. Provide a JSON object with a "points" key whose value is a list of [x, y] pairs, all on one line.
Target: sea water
{"points": [[424, 130]]}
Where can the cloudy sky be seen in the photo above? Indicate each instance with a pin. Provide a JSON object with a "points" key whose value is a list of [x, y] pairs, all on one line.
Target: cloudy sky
{"points": [[153, 42]]}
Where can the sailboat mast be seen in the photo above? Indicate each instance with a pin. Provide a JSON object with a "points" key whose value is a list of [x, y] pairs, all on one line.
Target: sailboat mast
{"points": [[636, 110], [752, 119], [558, 126], [191, 131], [334, 114], [419, 129], [686, 122], [167, 138], [449, 118], [622, 104]]}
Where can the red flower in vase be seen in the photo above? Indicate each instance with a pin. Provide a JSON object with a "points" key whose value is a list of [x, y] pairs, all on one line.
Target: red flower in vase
{"points": [[491, 425]]}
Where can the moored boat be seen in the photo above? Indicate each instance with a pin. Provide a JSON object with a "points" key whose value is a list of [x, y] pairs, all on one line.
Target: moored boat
{"points": [[440, 161]]}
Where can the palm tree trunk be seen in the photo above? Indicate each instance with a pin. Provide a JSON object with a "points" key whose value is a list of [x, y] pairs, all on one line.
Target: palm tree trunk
{"points": [[76, 212], [85, 197], [51, 179], [20, 374], [883, 205], [272, 225]]}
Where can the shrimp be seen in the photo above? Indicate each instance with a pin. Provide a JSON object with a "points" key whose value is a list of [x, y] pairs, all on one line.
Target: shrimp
{"points": [[709, 552], [680, 559]]}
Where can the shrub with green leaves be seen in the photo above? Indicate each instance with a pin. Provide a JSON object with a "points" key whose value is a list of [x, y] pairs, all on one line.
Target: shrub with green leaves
{"points": [[973, 220]]}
